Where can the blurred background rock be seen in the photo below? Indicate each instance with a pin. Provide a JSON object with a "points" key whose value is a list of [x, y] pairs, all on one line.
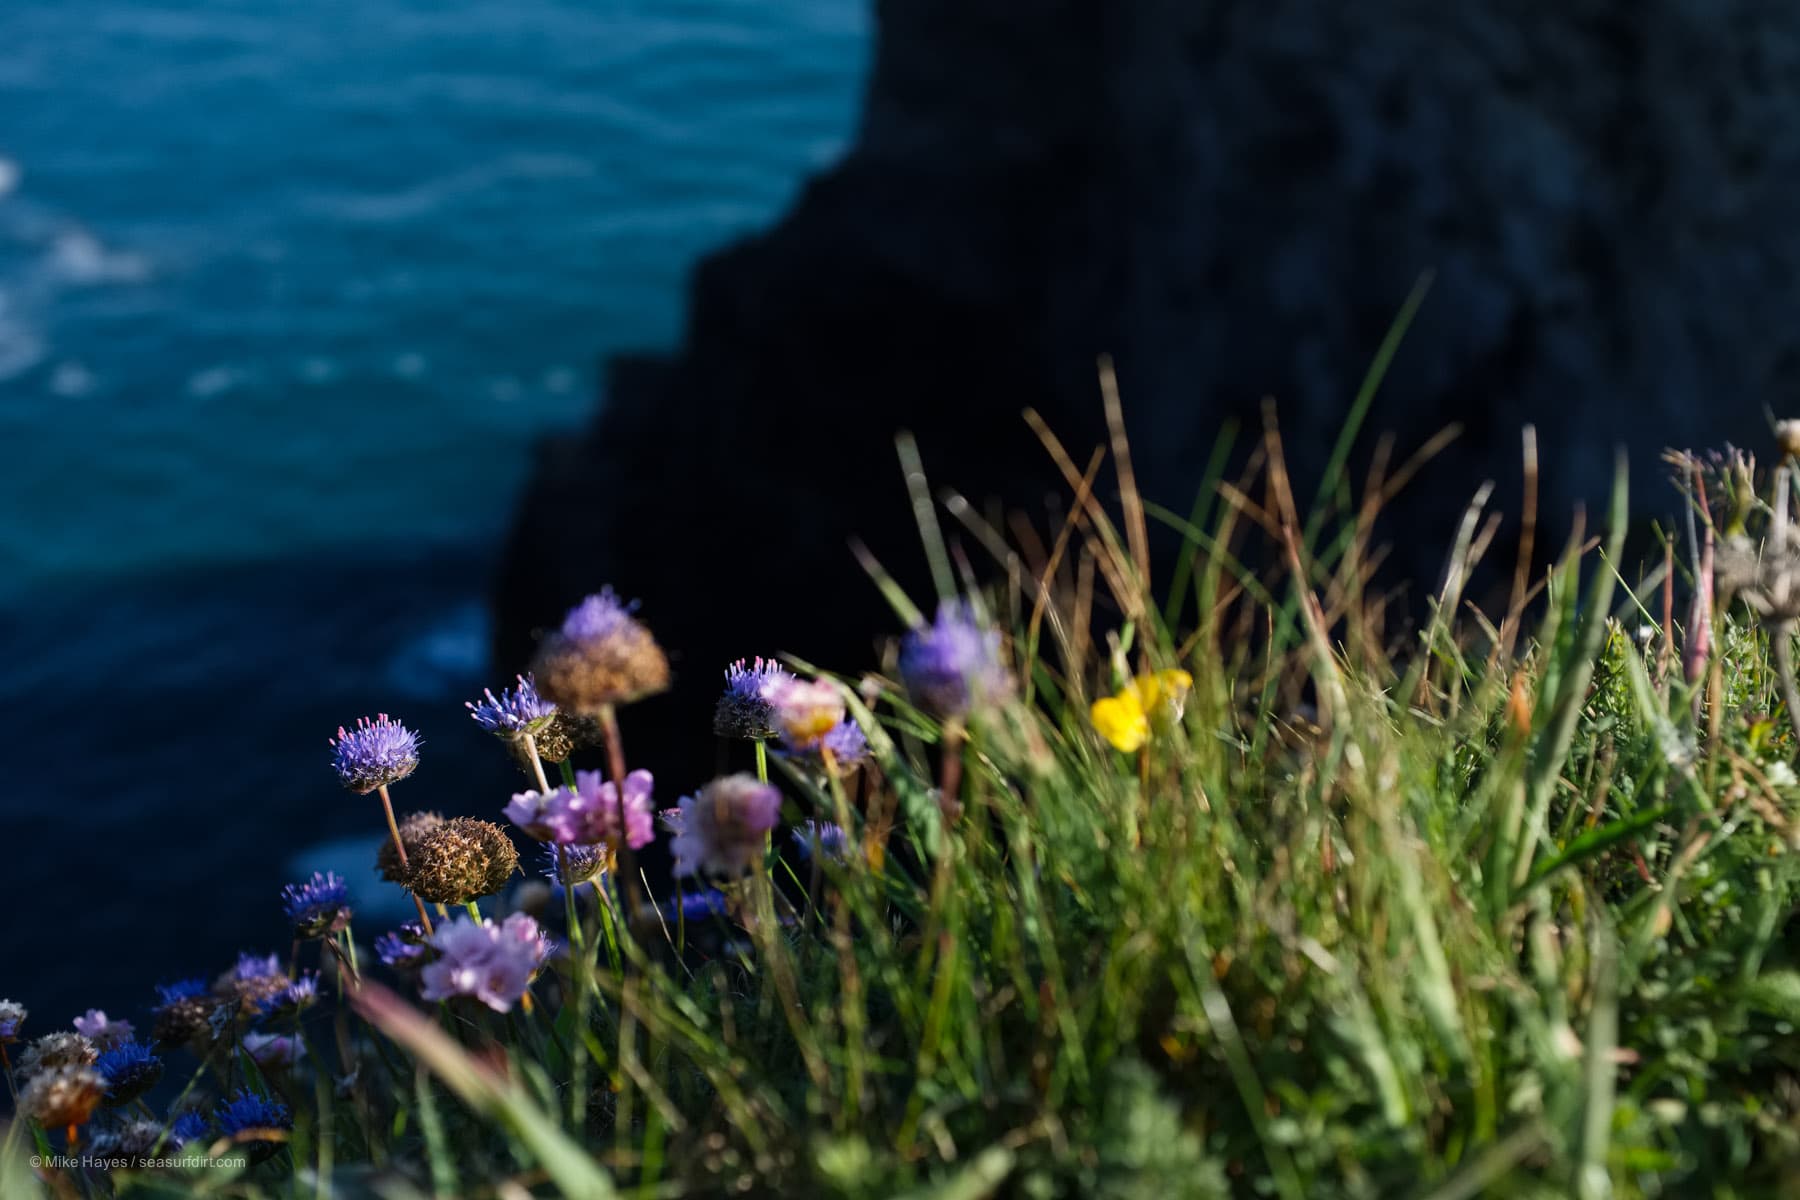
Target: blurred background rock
{"points": [[288, 296]]}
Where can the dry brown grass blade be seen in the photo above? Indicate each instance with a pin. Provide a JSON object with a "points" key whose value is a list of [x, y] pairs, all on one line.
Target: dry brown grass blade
{"points": [[1136, 528], [1113, 562], [1083, 488]]}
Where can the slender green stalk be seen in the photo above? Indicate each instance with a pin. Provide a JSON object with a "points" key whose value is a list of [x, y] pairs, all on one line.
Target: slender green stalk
{"points": [[387, 807]]}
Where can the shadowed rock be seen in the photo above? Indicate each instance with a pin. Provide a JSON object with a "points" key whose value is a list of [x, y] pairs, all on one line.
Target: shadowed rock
{"points": [[1233, 199]]}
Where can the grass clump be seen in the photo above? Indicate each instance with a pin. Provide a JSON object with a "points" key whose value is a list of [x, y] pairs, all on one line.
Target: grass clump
{"points": [[1101, 888]]}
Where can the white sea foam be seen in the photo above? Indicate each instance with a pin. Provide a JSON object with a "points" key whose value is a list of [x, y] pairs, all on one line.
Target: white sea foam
{"points": [[214, 381], [78, 257], [71, 380], [21, 347]]}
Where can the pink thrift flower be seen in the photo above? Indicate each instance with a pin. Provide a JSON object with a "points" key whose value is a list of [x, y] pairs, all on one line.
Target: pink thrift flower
{"points": [[272, 1050], [105, 1033], [722, 830], [492, 963], [597, 804], [805, 711]]}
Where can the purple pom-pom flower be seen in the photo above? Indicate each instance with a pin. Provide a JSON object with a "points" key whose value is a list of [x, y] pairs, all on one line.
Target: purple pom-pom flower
{"points": [[130, 1070], [318, 907], [374, 754], [514, 712], [182, 989], [103, 1031], [953, 664], [826, 837], [746, 709], [403, 948], [573, 865], [248, 1113], [188, 1127]]}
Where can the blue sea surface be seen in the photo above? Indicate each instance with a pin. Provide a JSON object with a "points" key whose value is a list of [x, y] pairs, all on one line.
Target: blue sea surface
{"points": [[287, 290]]}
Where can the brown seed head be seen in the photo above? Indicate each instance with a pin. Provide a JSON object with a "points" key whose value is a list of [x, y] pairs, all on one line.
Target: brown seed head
{"points": [[62, 1096], [55, 1050], [413, 827], [461, 860], [583, 677]]}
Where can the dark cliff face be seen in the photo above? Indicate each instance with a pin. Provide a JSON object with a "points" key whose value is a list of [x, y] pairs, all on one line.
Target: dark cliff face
{"points": [[1233, 199]]}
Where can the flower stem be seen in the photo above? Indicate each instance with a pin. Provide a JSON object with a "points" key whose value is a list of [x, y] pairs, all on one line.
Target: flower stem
{"points": [[537, 763], [615, 762], [1781, 636], [762, 761], [350, 950], [474, 910], [387, 806]]}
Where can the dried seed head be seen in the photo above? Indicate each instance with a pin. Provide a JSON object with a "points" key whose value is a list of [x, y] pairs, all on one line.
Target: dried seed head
{"points": [[55, 1050], [555, 742], [130, 1070], [413, 827], [1765, 574], [461, 860], [184, 1021], [62, 1096], [601, 656], [254, 980], [1787, 436]]}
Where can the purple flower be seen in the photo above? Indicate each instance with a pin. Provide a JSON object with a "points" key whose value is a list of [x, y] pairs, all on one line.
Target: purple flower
{"points": [[101, 1030], [827, 836], [248, 1111], [597, 618], [697, 906], [589, 814], [746, 709], [574, 865], [255, 968], [514, 712], [374, 754], [272, 1050], [12, 1016], [493, 963], [188, 1127], [404, 947], [724, 827], [296, 997], [318, 907], [130, 1070], [847, 743], [182, 989], [953, 664]]}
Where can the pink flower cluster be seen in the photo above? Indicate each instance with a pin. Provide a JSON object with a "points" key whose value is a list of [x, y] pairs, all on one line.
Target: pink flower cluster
{"points": [[723, 829], [588, 814], [493, 963]]}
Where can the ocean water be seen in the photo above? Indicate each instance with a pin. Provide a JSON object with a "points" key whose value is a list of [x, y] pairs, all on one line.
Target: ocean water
{"points": [[287, 289]]}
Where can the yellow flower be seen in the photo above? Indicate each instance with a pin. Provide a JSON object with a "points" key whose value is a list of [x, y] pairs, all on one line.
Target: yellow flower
{"points": [[1121, 720], [1125, 719]]}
